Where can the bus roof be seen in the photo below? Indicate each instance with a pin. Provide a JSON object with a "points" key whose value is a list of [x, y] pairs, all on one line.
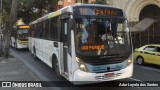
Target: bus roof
{"points": [[97, 5], [67, 9]]}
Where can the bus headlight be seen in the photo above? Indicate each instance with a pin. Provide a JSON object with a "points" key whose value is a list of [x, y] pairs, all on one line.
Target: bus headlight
{"points": [[81, 64], [83, 67], [129, 61]]}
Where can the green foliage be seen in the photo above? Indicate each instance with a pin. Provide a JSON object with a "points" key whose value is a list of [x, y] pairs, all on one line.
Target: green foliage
{"points": [[29, 10], [32, 9], [5, 16], [6, 5]]}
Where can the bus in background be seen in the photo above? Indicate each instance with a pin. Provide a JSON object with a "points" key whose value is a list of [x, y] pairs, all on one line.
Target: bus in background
{"points": [[19, 36], [84, 43]]}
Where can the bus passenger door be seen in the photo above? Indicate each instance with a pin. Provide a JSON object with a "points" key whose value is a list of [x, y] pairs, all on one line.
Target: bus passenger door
{"points": [[64, 28]]}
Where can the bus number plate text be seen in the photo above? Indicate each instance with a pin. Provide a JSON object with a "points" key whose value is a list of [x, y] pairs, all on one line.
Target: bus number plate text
{"points": [[109, 75]]}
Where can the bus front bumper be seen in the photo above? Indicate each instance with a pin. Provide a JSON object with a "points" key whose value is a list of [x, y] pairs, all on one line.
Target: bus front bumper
{"points": [[81, 77], [20, 46]]}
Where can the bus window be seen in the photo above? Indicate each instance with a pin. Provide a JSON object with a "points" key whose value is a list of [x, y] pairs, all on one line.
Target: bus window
{"points": [[103, 34], [23, 33], [54, 28], [46, 29]]}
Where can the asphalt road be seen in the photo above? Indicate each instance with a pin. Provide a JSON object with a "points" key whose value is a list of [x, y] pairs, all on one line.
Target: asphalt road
{"points": [[45, 73]]}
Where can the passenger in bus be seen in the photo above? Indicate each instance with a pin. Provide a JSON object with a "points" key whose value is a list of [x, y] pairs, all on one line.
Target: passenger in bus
{"points": [[107, 40], [84, 35], [108, 36]]}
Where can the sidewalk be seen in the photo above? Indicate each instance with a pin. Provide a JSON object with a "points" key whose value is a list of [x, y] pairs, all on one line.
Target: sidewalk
{"points": [[14, 70]]}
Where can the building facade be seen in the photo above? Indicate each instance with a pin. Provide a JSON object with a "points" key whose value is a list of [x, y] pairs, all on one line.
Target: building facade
{"points": [[134, 8], [137, 10], [63, 3]]}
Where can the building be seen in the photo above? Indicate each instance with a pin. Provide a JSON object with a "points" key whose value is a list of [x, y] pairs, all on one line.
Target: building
{"points": [[136, 11], [147, 31], [63, 3]]}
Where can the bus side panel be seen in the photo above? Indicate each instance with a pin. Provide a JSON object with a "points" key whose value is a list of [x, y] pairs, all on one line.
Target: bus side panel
{"points": [[49, 50], [39, 48], [69, 59], [45, 49]]}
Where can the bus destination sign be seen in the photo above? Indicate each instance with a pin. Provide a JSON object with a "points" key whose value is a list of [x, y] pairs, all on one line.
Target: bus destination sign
{"points": [[98, 11], [105, 12], [23, 27]]}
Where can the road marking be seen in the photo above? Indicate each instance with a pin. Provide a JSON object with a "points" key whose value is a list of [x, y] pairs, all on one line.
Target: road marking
{"points": [[150, 68], [135, 79]]}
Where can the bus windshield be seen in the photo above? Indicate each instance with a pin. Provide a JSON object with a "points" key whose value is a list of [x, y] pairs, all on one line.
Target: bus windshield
{"points": [[102, 36], [23, 33]]}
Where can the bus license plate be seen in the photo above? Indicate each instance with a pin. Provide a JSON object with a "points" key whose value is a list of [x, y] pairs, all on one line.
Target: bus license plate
{"points": [[109, 75]]}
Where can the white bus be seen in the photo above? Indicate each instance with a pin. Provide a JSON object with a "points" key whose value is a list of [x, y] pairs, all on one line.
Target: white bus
{"points": [[84, 42], [19, 36]]}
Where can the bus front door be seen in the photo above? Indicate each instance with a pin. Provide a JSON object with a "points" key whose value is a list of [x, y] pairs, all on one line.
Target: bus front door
{"points": [[65, 45]]}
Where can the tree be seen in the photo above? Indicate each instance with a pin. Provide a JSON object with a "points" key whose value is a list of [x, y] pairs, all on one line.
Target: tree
{"points": [[30, 10], [8, 27], [27, 10]]}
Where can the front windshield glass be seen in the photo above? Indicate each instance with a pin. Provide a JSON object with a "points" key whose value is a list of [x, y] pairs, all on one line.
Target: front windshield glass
{"points": [[23, 33], [102, 36]]}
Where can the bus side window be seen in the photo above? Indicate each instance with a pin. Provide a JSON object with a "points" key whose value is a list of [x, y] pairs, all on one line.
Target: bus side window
{"points": [[47, 34], [54, 28], [51, 28], [35, 30], [40, 29]]}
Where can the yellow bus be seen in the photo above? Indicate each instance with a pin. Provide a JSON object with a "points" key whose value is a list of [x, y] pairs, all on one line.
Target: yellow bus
{"points": [[19, 36]]}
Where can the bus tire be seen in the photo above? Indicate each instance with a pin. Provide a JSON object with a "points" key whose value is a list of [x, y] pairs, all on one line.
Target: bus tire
{"points": [[56, 68], [34, 53]]}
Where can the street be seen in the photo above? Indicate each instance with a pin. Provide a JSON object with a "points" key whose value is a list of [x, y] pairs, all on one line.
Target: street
{"points": [[45, 73]]}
